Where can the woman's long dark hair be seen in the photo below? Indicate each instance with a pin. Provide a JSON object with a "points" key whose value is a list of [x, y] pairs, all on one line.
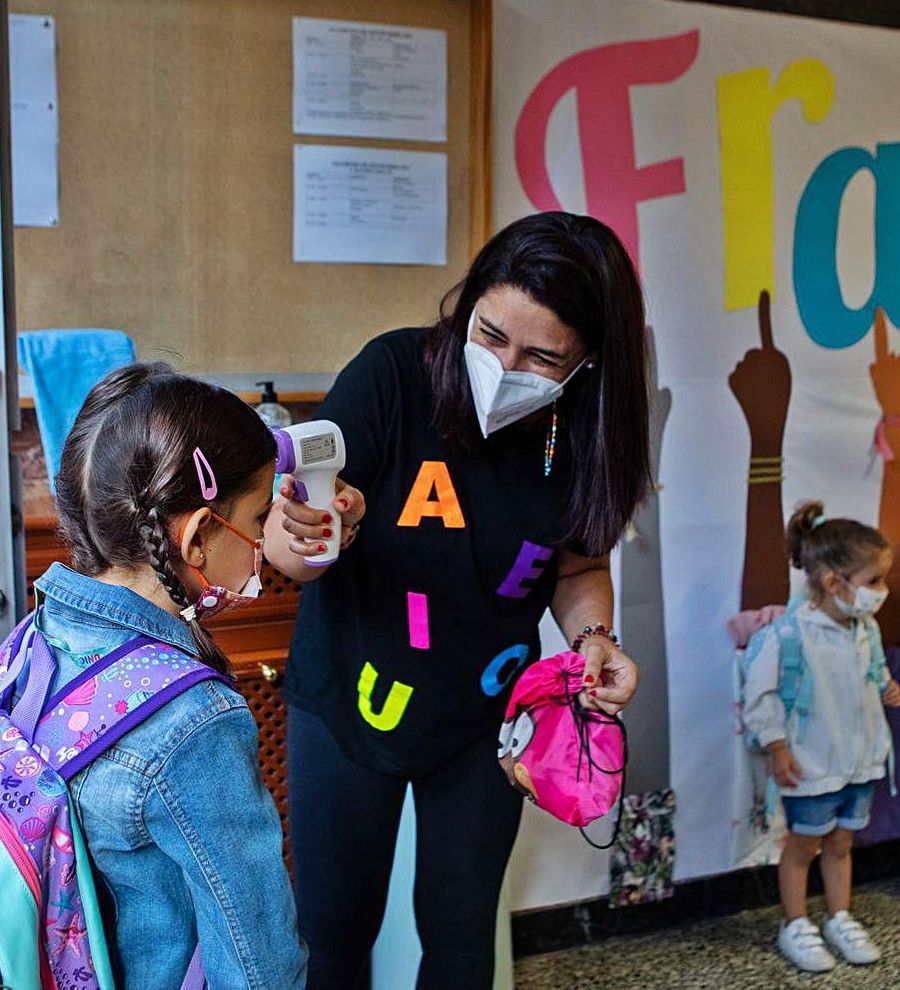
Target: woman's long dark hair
{"points": [[578, 269], [127, 471]]}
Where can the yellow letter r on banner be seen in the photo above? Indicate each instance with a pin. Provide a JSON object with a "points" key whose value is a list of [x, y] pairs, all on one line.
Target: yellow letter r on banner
{"points": [[747, 103]]}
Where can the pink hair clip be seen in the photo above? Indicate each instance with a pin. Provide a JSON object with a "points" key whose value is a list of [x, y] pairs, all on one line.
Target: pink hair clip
{"points": [[207, 490]]}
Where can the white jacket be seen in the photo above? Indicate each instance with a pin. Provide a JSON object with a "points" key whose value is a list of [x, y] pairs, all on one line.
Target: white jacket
{"points": [[846, 735]]}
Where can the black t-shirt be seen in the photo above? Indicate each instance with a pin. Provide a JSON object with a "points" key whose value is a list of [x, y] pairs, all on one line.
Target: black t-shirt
{"points": [[408, 645]]}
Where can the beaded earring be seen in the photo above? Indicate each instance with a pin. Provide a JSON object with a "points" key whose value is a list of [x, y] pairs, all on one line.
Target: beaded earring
{"points": [[550, 445]]}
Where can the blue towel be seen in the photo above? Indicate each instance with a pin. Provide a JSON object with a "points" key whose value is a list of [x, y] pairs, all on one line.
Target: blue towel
{"points": [[64, 366]]}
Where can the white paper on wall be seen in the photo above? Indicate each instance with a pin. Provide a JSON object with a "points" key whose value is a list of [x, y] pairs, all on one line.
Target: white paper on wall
{"points": [[34, 120], [369, 205], [369, 80]]}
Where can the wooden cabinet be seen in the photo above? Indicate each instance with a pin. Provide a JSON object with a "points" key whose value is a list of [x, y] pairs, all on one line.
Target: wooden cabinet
{"points": [[259, 676], [255, 639]]}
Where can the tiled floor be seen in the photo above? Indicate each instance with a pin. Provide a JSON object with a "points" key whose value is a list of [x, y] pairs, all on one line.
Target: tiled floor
{"points": [[733, 953]]}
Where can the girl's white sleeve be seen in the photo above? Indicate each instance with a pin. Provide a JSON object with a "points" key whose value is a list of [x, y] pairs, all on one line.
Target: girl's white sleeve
{"points": [[764, 715]]}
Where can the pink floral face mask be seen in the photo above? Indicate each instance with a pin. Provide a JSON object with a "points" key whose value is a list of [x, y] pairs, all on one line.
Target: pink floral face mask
{"points": [[214, 598]]}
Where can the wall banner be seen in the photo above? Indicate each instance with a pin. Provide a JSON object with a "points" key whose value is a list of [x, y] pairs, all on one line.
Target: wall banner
{"points": [[751, 164]]}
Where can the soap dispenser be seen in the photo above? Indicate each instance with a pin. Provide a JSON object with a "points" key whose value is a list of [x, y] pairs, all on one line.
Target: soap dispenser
{"points": [[270, 410]]}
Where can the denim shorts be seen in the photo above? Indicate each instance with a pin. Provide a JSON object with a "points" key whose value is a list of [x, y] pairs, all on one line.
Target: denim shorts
{"points": [[819, 814]]}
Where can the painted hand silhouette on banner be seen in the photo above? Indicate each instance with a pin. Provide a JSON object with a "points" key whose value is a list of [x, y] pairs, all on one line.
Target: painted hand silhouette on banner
{"points": [[884, 823], [885, 369], [761, 383], [885, 373]]}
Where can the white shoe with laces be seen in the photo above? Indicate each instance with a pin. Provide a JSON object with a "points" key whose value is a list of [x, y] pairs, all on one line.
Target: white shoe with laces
{"points": [[848, 937], [801, 943]]}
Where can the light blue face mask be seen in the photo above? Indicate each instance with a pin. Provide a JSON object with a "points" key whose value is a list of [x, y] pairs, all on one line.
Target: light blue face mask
{"points": [[503, 397]]}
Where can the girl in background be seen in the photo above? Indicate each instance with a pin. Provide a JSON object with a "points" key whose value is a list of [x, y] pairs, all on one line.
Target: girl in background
{"points": [[826, 761]]}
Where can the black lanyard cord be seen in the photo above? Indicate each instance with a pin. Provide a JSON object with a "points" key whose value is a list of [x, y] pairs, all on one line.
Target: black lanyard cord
{"points": [[582, 718]]}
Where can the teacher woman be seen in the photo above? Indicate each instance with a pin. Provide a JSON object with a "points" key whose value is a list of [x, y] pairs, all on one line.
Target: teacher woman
{"points": [[501, 453]]}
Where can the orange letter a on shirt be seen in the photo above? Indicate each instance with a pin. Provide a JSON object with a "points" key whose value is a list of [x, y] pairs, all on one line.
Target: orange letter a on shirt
{"points": [[432, 475]]}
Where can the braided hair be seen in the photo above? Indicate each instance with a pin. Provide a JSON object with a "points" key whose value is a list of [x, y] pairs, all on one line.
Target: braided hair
{"points": [[127, 472], [156, 541]]}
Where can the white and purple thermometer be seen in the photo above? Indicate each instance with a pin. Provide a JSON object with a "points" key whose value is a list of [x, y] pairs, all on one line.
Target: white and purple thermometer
{"points": [[314, 453]]}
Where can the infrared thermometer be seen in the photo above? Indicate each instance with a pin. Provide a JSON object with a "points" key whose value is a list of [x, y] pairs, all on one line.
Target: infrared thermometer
{"points": [[314, 453]]}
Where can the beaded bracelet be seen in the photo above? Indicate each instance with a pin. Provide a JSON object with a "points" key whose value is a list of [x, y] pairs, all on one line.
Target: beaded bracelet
{"points": [[597, 630]]}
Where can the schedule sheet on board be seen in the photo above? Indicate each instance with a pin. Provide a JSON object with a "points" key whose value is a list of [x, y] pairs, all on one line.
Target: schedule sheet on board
{"points": [[369, 205], [369, 80], [34, 120]]}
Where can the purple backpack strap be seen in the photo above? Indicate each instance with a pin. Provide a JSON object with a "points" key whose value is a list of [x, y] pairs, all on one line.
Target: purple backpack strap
{"points": [[30, 706], [111, 697], [194, 978], [13, 658]]}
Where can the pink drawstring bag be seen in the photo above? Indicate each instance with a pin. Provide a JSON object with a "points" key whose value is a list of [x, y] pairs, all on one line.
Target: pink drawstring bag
{"points": [[567, 760]]}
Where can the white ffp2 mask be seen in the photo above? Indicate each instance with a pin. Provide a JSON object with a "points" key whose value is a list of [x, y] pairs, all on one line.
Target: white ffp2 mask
{"points": [[866, 601], [503, 397]]}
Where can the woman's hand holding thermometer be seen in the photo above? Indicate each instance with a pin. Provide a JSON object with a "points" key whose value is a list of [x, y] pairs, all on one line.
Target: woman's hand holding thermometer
{"points": [[321, 512]]}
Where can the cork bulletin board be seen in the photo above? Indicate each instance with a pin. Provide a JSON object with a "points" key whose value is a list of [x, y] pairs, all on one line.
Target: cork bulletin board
{"points": [[176, 184]]}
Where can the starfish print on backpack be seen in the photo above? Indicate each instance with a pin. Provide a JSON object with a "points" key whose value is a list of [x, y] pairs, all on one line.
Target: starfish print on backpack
{"points": [[65, 902], [71, 937]]}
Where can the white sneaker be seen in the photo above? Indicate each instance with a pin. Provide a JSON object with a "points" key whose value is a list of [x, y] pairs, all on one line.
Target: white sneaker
{"points": [[848, 937], [801, 943]]}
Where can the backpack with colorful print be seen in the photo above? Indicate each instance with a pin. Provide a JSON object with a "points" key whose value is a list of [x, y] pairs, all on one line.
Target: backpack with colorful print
{"points": [[51, 937], [758, 828]]}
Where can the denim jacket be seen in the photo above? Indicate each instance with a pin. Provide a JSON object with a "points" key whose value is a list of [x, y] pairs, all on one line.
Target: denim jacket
{"points": [[185, 838]]}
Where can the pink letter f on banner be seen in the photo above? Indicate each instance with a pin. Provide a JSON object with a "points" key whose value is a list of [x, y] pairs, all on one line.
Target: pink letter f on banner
{"points": [[602, 77]]}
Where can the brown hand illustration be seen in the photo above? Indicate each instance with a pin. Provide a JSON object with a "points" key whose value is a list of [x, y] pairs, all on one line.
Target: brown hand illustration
{"points": [[762, 385], [885, 370]]}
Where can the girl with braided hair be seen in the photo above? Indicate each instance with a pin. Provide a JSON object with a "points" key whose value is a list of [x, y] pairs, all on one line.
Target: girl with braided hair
{"points": [[164, 485]]}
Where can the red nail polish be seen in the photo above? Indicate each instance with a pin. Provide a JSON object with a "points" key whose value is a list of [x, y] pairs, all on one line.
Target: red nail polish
{"points": [[593, 694], [326, 519], [322, 548], [326, 533], [588, 678]]}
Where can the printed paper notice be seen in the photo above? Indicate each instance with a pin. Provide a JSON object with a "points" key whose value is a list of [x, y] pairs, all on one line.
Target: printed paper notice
{"points": [[34, 122], [369, 205], [369, 80]]}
